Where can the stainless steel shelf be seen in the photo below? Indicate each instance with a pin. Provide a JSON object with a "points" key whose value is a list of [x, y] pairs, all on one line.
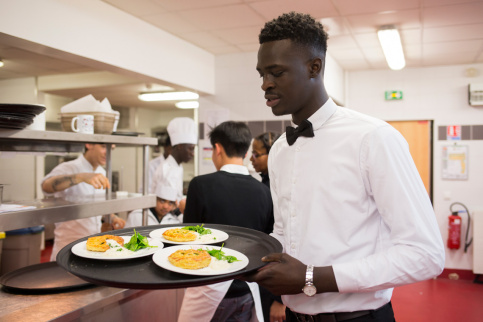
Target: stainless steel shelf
{"points": [[56, 141], [56, 210]]}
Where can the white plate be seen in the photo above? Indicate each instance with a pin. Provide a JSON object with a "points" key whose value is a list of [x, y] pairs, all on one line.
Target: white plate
{"points": [[79, 249], [161, 259], [216, 236]]}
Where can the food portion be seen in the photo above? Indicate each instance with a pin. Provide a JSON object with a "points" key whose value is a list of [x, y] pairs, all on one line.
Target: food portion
{"points": [[190, 258], [100, 243], [179, 235]]}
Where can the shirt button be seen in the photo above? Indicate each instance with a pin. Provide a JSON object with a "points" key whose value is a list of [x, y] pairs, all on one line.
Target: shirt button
{"points": [[293, 246], [297, 149]]}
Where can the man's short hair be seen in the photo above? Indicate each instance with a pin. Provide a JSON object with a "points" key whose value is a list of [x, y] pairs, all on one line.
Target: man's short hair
{"points": [[234, 137], [301, 28]]}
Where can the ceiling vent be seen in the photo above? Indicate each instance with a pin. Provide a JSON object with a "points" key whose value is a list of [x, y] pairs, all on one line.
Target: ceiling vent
{"points": [[475, 94]]}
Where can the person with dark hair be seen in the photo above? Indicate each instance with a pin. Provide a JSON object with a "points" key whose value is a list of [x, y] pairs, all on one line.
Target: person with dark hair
{"points": [[261, 146], [229, 196], [350, 208]]}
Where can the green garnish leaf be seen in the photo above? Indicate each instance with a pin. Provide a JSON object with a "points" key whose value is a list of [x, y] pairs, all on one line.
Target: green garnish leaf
{"points": [[220, 255], [137, 242], [199, 229]]}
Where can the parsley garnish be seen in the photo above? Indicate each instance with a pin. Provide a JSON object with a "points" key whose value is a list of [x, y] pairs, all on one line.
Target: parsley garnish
{"points": [[137, 242], [199, 229], [220, 255]]}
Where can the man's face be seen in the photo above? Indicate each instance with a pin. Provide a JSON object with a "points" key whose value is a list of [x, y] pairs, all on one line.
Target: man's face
{"points": [[285, 71], [186, 152], [96, 154], [163, 207]]}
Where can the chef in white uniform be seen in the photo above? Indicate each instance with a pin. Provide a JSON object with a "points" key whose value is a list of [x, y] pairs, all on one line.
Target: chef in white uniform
{"points": [[183, 134], [161, 214], [79, 180]]}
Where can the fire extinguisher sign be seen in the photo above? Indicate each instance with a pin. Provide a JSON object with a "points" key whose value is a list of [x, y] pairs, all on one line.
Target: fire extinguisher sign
{"points": [[453, 132]]}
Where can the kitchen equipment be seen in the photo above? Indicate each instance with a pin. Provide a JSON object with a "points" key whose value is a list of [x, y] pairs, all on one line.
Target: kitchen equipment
{"points": [[18, 116]]}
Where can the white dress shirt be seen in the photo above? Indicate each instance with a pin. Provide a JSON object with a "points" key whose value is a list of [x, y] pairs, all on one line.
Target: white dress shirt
{"points": [[351, 197], [68, 231], [169, 173], [152, 167]]}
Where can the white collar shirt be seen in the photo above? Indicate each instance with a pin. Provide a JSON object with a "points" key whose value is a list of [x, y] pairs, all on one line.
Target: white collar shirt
{"points": [[152, 167], [351, 198], [235, 168]]}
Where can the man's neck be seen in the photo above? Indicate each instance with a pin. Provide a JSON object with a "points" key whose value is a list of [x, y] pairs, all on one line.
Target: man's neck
{"points": [[91, 162], [236, 161]]}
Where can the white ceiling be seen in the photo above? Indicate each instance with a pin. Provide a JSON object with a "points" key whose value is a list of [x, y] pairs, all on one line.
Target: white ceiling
{"points": [[433, 32]]}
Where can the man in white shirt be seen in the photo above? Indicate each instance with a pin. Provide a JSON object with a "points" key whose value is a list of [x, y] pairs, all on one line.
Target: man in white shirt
{"points": [[350, 208], [79, 180]]}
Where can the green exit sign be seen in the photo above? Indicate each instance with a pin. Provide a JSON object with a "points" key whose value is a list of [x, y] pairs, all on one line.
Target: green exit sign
{"points": [[394, 95]]}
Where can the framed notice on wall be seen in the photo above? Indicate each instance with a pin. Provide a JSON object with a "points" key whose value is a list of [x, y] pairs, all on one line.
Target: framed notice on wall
{"points": [[455, 162]]}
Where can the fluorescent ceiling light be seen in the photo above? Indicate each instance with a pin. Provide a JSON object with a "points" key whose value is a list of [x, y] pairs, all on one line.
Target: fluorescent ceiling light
{"points": [[1, 63], [187, 104], [391, 46], [168, 96]]}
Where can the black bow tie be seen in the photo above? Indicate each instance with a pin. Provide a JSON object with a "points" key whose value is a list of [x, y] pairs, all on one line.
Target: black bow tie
{"points": [[304, 129]]}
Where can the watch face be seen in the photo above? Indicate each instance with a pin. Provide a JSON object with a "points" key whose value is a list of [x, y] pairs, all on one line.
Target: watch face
{"points": [[310, 290]]}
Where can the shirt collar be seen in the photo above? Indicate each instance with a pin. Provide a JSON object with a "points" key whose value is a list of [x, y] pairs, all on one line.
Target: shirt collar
{"points": [[235, 168], [322, 114]]}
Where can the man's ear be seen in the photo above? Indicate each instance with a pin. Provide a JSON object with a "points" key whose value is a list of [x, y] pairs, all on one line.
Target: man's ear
{"points": [[88, 146], [316, 65], [218, 148]]}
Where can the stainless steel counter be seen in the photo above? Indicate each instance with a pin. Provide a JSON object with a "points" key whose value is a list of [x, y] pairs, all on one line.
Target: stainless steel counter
{"points": [[97, 303]]}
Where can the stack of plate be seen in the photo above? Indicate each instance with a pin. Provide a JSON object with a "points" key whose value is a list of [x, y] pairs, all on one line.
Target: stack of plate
{"points": [[18, 116]]}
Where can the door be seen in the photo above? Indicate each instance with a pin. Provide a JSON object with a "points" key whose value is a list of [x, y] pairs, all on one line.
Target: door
{"points": [[420, 140]]}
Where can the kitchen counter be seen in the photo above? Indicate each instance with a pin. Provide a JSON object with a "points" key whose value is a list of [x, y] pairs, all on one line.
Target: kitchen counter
{"points": [[96, 303]]}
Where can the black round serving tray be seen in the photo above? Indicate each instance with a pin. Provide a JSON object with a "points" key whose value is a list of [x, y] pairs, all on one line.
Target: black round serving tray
{"points": [[44, 278], [143, 273]]}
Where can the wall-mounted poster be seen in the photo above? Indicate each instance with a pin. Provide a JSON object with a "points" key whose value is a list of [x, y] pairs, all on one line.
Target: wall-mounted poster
{"points": [[455, 162]]}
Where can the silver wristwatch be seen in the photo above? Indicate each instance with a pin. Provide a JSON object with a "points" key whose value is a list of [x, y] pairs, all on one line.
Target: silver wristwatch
{"points": [[309, 288]]}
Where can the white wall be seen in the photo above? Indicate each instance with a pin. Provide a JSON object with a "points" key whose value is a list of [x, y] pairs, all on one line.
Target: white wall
{"points": [[439, 94]]}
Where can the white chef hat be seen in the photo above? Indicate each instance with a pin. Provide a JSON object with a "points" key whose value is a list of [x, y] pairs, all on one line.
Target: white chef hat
{"points": [[166, 192], [182, 130]]}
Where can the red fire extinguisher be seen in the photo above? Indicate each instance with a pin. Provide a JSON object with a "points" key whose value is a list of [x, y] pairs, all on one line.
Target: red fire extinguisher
{"points": [[454, 228], [454, 231]]}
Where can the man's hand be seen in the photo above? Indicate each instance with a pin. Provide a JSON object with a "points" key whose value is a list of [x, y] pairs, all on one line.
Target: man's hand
{"points": [[96, 180], [277, 312], [115, 223], [283, 275]]}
